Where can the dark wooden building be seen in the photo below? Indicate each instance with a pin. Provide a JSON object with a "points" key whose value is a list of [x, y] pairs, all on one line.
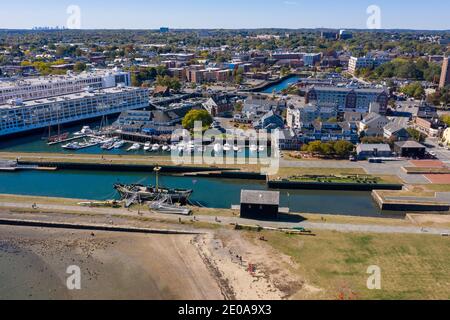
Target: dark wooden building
{"points": [[261, 205], [410, 149]]}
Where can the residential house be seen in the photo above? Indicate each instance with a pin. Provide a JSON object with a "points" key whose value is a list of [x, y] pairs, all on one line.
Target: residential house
{"points": [[219, 106], [270, 121], [373, 125], [296, 115], [290, 140], [394, 131]]}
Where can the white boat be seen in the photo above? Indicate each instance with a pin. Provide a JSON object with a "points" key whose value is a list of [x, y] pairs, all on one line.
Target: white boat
{"points": [[165, 148], [236, 149], [72, 146], [84, 131], [155, 147], [119, 144], [134, 147], [227, 147], [253, 148], [261, 149], [147, 146]]}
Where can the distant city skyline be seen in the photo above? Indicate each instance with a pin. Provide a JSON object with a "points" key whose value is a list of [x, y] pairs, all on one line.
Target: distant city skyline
{"points": [[230, 14]]}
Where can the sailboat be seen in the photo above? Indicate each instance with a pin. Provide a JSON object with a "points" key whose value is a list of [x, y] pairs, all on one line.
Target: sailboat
{"points": [[153, 193], [59, 137]]}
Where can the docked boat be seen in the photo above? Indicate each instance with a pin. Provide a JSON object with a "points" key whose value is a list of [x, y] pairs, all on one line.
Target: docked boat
{"points": [[119, 144], [261, 149], [155, 147], [253, 148], [58, 138], [150, 193], [72, 146], [139, 193], [165, 148], [134, 147], [147, 146], [236, 149], [84, 131]]}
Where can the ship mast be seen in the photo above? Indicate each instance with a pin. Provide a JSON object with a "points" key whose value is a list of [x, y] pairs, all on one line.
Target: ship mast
{"points": [[157, 169]]}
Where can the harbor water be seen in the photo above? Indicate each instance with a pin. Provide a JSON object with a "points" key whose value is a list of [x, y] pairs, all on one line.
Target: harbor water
{"points": [[209, 192], [282, 85]]}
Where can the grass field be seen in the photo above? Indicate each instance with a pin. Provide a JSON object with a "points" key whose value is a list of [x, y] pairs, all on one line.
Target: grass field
{"points": [[412, 266], [288, 172]]}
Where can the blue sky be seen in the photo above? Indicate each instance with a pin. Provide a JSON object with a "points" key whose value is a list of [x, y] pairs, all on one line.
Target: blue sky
{"points": [[233, 14]]}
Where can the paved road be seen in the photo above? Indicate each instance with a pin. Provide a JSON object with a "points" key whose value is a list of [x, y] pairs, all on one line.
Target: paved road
{"points": [[383, 229], [442, 153]]}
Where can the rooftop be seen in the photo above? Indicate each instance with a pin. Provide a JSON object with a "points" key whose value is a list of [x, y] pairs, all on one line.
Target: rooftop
{"points": [[409, 144], [372, 147], [67, 97], [260, 197], [30, 81]]}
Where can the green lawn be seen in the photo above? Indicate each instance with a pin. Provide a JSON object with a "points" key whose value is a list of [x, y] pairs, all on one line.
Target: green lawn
{"points": [[412, 266]]}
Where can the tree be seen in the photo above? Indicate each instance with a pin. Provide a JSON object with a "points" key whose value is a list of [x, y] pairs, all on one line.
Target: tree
{"points": [[446, 119], [416, 135], [171, 83], [414, 89], [197, 115], [79, 67], [343, 149]]}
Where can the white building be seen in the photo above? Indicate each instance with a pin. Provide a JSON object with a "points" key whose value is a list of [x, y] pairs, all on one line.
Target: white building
{"points": [[44, 87], [19, 116], [366, 62], [297, 116], [373, 125]]}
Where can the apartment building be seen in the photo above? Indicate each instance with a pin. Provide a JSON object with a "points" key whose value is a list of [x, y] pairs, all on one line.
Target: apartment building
{"points": [[310, 59], [445, 75], [298, 115], [349, 99], [370, 62]]}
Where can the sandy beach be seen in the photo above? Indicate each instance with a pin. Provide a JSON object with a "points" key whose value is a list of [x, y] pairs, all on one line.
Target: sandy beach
{"points": [[34, 261]]}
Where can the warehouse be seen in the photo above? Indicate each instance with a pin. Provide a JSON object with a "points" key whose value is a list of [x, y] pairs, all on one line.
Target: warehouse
{"points": [[410, 149], [261, 205]]}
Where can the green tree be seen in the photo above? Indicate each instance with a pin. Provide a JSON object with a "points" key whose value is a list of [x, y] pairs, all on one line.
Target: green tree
{"points": [[416, 135], [197, 115], [414, 89], [79, 67], [343, 149]]}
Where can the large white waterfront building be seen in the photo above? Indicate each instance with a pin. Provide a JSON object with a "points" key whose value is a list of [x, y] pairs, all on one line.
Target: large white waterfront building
{"points": [[50, 86], [19, 116]]}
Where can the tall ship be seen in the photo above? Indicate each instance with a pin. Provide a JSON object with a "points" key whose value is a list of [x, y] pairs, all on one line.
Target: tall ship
{"points": [[142, 193]]}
